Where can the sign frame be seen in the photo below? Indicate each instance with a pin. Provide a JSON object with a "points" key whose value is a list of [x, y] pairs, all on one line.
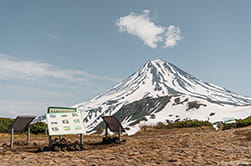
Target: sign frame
{"points": [[60, 110]]}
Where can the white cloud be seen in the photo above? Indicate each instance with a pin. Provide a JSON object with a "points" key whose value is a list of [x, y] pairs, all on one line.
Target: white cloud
{"points": [[29, 87], [141, 26], [14, 69], [173, 34]]}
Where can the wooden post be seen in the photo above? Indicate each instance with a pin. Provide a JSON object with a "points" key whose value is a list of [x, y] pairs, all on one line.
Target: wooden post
{"points": [[106, 130], [81, 139], [50, 141], [28, 136], [46, 132], [12, 137], [119, 132]]}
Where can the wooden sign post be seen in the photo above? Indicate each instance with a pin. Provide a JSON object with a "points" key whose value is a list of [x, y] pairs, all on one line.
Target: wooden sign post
{"points": [[81, 139], [12, 137], [28, 136]]}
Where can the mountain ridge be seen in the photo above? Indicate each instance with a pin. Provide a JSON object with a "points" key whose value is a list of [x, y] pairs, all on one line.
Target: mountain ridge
{"points": [[156, 79]]}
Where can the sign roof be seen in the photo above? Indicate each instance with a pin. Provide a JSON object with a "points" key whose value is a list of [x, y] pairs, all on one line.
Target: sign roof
{"points": [[21, 123], [113, 123]]}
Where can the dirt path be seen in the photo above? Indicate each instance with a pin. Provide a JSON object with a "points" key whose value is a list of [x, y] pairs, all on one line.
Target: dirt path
{"points": [[191, 146]]}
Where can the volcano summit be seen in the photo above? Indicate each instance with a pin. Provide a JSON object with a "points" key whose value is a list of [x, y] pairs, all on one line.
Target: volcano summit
{"points": [[160, 91]]}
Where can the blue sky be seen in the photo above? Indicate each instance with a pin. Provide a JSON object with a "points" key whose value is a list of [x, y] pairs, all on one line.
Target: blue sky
{"points": [[60, 53]]}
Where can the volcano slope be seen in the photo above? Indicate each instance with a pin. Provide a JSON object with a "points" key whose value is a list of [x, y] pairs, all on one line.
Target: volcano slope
{"points": [[163, 91], [185, 146]]}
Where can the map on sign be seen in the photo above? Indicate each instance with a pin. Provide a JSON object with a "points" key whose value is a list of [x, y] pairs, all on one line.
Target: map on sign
{"points": [[65, 123]]}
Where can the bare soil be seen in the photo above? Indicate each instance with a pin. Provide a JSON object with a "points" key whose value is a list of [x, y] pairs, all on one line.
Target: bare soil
{"points": [[187, 146]]}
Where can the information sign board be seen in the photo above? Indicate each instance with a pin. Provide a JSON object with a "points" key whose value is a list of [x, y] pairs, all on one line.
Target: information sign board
{"points": [[65, 123]]}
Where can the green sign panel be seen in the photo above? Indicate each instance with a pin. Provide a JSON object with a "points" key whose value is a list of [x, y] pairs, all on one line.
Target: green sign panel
{"points": [[61, 110]]}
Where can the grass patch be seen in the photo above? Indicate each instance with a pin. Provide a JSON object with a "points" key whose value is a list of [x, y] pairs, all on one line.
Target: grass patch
{"points": [[38, 128], [5, 124], [239, 123], [243, 122], [183, 124]]}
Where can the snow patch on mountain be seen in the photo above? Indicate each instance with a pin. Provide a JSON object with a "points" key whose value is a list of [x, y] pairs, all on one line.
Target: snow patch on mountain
{"points": [[206, 112], [158, 78]]}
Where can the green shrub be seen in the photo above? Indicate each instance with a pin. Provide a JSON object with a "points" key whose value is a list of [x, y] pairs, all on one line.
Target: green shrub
{"points": [[183, 124], [239, 123], [161, 126], [5, 124], [228, 126], [244, 122], [38, 127]]}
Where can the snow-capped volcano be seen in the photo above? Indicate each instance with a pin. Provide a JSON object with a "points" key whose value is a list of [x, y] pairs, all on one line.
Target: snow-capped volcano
{"points": [[155, 79]]}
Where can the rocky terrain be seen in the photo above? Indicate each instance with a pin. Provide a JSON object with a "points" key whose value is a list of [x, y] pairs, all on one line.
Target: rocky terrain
{"points": [[187, 146]]}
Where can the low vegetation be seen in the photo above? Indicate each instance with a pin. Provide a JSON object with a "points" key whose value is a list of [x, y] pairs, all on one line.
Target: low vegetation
{"points": [[244, 122], [197, 123], [38, 128], [183, 124], [5, 124], [239, 123], [35, 128]]}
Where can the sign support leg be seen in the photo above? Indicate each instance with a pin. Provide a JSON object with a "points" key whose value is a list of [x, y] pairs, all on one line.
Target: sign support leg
{"points": [[119, 133], [106, 130], [46, 132], [28, 136], [50, 141], [12, 137], [81, 139]]}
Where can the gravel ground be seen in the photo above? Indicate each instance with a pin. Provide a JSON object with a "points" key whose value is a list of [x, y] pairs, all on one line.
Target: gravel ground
{"points": [[187, 146]]}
